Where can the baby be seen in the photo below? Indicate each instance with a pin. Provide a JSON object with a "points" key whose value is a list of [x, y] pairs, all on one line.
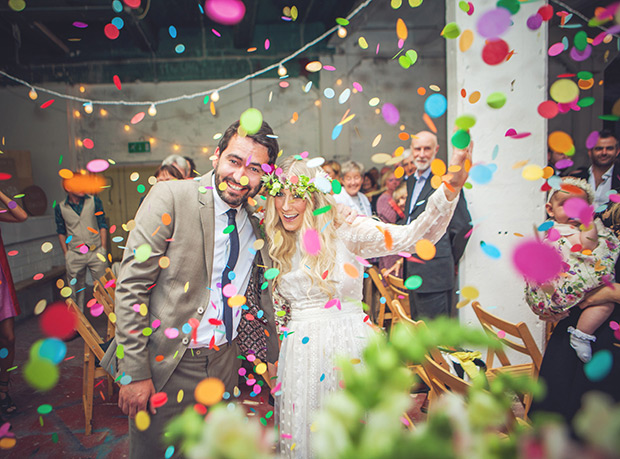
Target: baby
{"points": [[400, 196], [589, 255]]}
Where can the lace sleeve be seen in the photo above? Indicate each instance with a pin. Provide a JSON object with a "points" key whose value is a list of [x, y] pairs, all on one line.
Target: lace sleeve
{"points": [[366, 237]]}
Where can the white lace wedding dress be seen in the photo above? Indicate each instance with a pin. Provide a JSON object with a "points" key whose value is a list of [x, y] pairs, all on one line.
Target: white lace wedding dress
{"points": [[306, 369]]}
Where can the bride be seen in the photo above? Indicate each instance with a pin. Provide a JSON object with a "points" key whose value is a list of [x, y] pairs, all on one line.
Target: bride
{"points": [[320, 260]]}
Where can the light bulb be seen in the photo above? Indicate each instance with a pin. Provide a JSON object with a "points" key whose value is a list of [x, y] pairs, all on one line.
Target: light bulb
{"points": [[33, 94], [282, 71], [342, 32], [215, 96], [152, 110], [88, 107], [76, 114]]}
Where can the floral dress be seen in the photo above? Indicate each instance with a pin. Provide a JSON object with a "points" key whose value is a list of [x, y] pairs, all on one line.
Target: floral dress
{"points": [[582, 273]]}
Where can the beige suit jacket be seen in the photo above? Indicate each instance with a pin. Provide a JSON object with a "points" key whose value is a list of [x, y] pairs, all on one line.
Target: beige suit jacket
{"points": [[176, 294]]}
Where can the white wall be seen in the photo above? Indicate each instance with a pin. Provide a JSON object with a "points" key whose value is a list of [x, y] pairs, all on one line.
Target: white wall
{"points": [[508, 204]]}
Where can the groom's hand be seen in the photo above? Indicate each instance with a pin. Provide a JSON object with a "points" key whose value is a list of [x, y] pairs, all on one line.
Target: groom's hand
{"points": [[135, 396], [460, 160], [346, 213]]}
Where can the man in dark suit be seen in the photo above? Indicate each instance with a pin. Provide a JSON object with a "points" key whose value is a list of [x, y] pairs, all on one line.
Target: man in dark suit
{"points": [[602, 175], [435, 296]]}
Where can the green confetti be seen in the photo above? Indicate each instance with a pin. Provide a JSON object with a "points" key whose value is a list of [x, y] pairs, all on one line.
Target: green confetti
{"points": [[581, 40], [404, 62], [461, 139], [336, 187], [609, 117], [413, 282], [271, 273], [19, 196], [54, 437], [143, 252], [60, 160], [264, 285], [451, 31], [44, 409], [148, 331], [206, 99], [586, 102], [465, 122], [584, 75], [141, 188], [229, 229], [496, 100], [511, 5], [120, 351], [321, 210], [342, 21], [263, 421]]}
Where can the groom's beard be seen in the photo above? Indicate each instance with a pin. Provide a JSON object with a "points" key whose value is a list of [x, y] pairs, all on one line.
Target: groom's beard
{"points": [[234, 199]]}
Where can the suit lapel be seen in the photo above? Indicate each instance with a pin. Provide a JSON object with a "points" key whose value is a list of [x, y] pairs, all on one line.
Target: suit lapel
{"points": [[410, 186], [427, 190], [255, 221], [207, 219]]}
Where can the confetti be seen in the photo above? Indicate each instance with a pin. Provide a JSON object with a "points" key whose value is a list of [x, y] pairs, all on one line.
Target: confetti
{"points": [[226, 12]]}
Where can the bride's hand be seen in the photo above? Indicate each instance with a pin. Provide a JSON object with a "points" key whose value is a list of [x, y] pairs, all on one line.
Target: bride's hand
{"points": [[454, 181], [347, 214]]}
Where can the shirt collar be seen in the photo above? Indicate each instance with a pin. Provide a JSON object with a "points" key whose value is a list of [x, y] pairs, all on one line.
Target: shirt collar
{"points": [[82, 199], [220, 206], [424, 175], [607, 174]]}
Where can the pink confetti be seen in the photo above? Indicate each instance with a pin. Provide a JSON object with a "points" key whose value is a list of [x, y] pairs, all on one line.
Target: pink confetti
{"points": [[363, 261], [556, 49], [83, 249], [132, 3], [48, 103], [564, 164], [95, 166], [614, 325], [80, 25], [329, 68], [96, 310], [136, 307], [501, 334], [267, 43], [226, 12], [537, 261], [614, 197], [358, 87], [312, 242], [401, 43], [257, 389], [156, 323], [553, 235], [117, 82], [229, 290], [216, 33], [276, 389], [333, 302], [377, 51], [573, 207], [390, 114], [38, 276], [12, 253], [284, 84], [137, 118], [171, 333]]}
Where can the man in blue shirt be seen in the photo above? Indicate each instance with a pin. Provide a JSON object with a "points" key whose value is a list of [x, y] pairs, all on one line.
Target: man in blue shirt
{"points": [[83, 234]]}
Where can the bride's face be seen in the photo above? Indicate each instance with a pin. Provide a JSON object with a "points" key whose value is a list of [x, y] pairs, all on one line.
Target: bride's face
{"points": [[290, 210]]}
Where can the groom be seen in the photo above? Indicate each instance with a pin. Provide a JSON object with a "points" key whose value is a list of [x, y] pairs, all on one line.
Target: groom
{"points": [[174, 325]]}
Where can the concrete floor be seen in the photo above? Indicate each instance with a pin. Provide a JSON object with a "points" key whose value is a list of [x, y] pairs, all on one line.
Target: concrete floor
{"points": [[60, 434]]}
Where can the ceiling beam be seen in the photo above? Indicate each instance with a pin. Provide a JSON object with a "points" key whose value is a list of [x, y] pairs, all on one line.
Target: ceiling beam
{"points": [[52, 37]]}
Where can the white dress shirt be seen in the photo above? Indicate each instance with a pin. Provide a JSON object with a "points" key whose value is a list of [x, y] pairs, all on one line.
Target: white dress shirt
{"points": [[359, 203], [601, 193], [417, 189], [243, 271]]}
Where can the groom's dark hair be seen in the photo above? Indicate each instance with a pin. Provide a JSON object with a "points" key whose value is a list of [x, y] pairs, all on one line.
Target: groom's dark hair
{"points": [[264, 136]]}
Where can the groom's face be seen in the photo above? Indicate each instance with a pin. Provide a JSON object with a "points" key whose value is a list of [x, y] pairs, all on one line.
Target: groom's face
{"points": [[238, 170]]}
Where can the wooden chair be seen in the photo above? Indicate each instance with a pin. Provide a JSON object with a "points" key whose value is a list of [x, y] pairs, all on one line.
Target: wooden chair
{"points": [[108, 281], [517, 337], [92, 350], [382, 314], [400, 292], [103, 297]]}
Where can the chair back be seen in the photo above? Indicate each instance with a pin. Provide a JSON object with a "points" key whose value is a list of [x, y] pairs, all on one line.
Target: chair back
{"points": [[108, 281], [442, 380], [524, 342], [382, 314], [86, 330], [400, 292]]}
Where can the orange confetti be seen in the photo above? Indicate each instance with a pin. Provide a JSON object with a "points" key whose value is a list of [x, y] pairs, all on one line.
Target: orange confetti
{"points": [[585, 84], [421, 91], [351, 270], [548, 172], [92, 230], [389, 241], [463, 93], [429, 122], [425, 249], [166, 219], [209, 391], [436, 181], [403, 136], [159, 358], [399, 172], [401, 29], [156, 231], [438, 167], [560, 141], [474, 97]]}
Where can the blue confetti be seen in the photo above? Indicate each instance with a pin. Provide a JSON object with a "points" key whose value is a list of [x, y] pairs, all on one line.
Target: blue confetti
{"points": [[545, 226], [435, 105], [490, 250], [600, 365], [169, 452], [69, 239], [480, 174], [180, 48], [186, 328], [172, 30], [329, 93], [3, 353], [322, 377], [495, 152], [305, 340], [117, 6], [260, 314], [118, 22], [336, 132]]}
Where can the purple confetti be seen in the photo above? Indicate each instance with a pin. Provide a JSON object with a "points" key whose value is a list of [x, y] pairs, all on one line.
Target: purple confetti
{"points": [[579, 56], [80, 25], [591, 140], [534, 21], [564, 164], [390, 114]]}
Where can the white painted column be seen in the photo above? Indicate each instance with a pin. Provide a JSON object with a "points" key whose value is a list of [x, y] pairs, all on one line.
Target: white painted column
{"points": [[508, 204]]}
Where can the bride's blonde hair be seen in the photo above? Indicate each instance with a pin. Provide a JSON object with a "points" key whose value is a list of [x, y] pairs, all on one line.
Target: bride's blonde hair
{"points": [[282, 250]]}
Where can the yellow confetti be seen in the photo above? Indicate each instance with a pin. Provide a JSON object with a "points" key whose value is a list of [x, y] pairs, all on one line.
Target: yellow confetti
{"points": [[532, 172], [244, 181], [465, 40], [461, 304], [164, 262], [362, 42], [180, 395], [186, 286], [66, 292], [469, 292], [399, 172], [143, 420], [376, 141], [261, 368], [399, 151], [347, 119], [112, 317], [144, 310], [520, 164], [101, 257]]}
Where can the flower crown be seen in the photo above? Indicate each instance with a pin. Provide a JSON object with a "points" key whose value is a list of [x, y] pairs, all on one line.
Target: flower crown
{"points": [[299, 185]]}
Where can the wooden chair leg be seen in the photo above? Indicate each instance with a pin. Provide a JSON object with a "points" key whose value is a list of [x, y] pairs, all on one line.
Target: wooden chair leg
{"points": [[110, 384], [89, 383]]}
